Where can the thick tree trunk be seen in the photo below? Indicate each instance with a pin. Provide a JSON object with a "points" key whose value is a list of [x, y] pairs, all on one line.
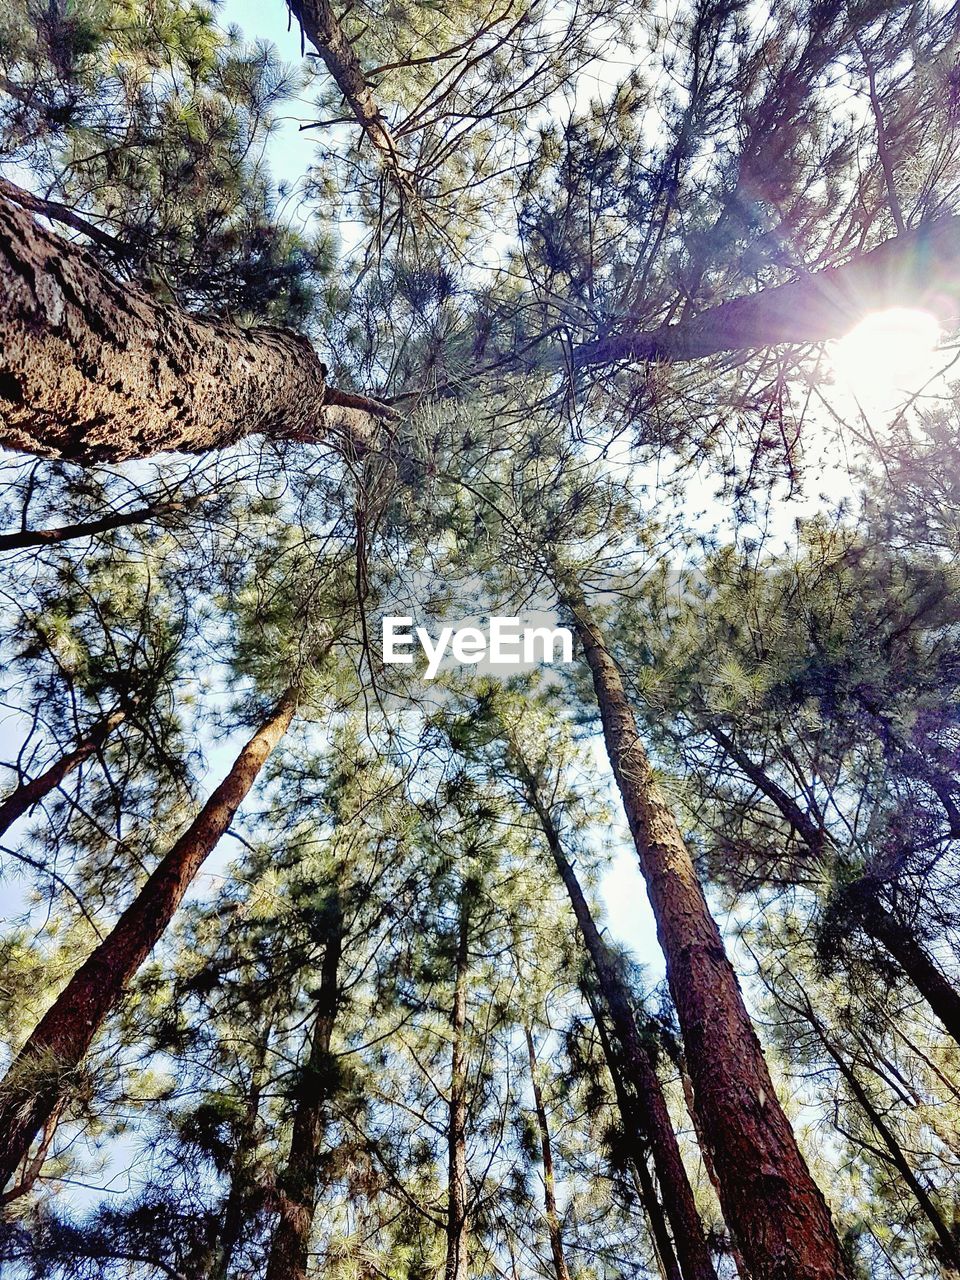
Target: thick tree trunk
{"points": [[769, 1199], [41, 1072], [455, 1267], [897, 939], [560, 1270], [322, 28], [290, 1246], [27, 794], [917, 269], [691, 1247], [94, 370]]}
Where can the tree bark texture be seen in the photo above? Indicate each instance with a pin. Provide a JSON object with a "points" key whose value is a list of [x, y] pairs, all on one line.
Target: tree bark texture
{"points": [[769, 1200], [290, 1246], [22, 799], [455, 1266], [654, 1115], [94, 370], [40, 1074]]}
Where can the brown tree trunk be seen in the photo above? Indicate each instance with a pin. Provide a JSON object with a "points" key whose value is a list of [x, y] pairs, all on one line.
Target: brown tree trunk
{"points": [[910, 270], [27, 794], [691, 1247], [69, 532], [949, 1246], [93, 370], [638, 1147], [899, 941], [455, 1267], [40, 1074], [768, 1197], [322, 28], [290, 1246], [549, 1191]]}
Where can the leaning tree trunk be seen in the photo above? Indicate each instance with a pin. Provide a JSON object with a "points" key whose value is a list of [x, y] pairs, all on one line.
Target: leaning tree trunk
{"points": [[637, 1145], [769, 1200], [94, 370], [455, 1267], [691, 1246], [546, 1149], [290, 1246], [27, 794], [862, 898], [40, 1074]]}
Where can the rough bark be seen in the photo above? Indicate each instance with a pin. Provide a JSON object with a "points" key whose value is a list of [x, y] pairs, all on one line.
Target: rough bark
{"points": [[898, 940], [654, 1115], [290, 1246], [22, 799], [93, 370], [40, 1074], [322, 28], [916, 269], [455, 1266], [768, 1197], [560, 1270]]}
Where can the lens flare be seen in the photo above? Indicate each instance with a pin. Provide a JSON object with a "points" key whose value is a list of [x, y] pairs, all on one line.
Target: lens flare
{"points": [[889, 355]]}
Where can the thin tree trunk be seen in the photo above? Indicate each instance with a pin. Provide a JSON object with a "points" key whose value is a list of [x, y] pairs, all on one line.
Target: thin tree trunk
{"points": [[93, 370], [290, 1246], [455, 1267], [899, 941], [948, 1244], [236, 1209], [27, 794], [70, 532], [549, 1191], [40, 1074], [768, 1197], [322, 27], [638, 1146], [691, 1247]]}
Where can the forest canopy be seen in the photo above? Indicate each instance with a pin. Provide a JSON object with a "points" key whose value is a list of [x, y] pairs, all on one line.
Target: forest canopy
{"points": [[633, 325]]}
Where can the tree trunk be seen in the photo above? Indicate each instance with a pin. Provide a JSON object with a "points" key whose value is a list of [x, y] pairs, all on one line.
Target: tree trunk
{"points": [[897, 939], [768, 1197], [911, 270], [69, 532], [691, 1247], [322, 27], [290, 1246], [93, 370], [949, 1246], [638, 1147], [549, 1192], [900, 942], [455, 1267], [27, 794], [40, 1074]]}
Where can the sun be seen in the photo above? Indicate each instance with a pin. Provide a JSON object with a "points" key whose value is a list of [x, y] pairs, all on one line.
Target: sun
{"points": [[889, 355]]}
